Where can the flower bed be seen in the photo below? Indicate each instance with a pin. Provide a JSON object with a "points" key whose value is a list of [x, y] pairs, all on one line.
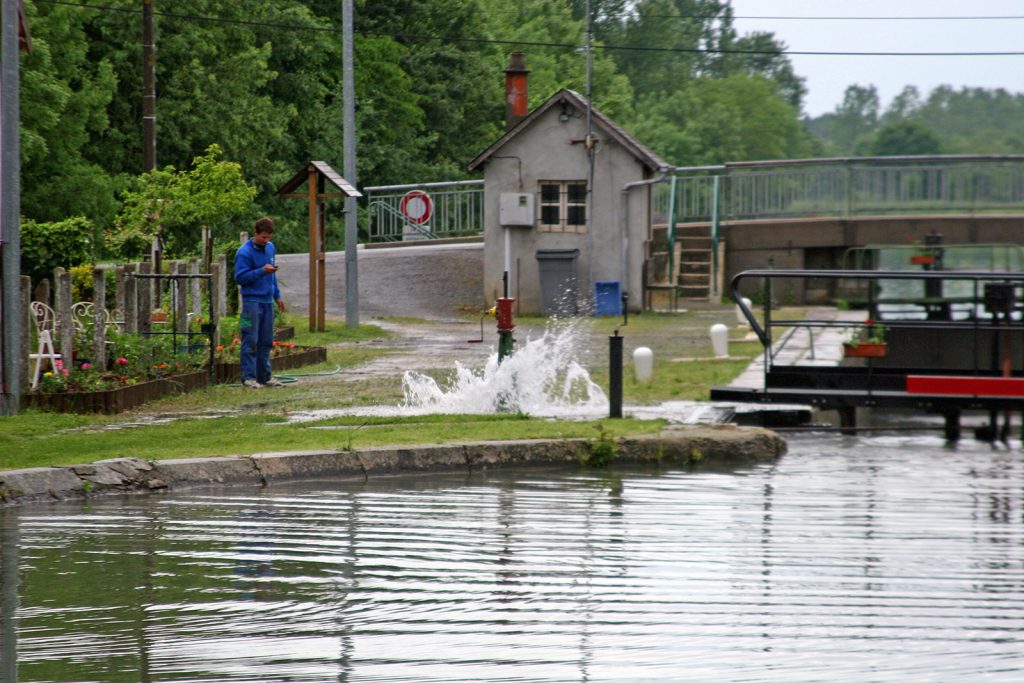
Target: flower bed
{"points": [[230, 372], [111, 401]]}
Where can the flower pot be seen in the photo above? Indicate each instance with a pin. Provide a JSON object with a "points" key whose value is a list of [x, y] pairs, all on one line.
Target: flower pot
{"points": [[158, 317], [922, 260], [865, 350]]}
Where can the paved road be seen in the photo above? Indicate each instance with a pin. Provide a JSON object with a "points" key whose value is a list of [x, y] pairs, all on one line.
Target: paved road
{"points": [[431, 282]]}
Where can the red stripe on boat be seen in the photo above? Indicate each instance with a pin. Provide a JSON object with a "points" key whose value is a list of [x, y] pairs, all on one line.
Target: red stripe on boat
{"points": [[965, 386]]}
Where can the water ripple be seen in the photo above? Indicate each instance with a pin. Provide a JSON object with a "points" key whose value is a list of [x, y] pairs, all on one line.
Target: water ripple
{"points": [[851, 559]]}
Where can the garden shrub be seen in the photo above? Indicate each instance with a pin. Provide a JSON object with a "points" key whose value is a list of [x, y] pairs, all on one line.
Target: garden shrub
{"points": [[45, 246]]}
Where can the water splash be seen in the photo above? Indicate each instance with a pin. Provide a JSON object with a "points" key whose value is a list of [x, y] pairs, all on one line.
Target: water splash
{"points": [[543, 378]]}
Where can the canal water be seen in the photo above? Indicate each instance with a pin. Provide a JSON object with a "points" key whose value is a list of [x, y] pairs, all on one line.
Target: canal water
{"points": [[869, 558]]}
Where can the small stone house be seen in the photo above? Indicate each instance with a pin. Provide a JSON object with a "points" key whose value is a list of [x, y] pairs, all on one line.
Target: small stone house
{"points": [[559, 259]]}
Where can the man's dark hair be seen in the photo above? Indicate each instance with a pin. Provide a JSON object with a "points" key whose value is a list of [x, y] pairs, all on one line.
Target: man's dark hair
{"points": [[264, 225]]}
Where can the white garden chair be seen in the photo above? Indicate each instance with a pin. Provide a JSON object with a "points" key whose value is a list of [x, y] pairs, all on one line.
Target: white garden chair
{"points": [[43, 317], [82, 315]]}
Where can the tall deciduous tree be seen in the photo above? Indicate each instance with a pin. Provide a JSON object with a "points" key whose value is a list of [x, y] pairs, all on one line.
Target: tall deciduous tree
{"points": [[713, 121], [65, 94]]}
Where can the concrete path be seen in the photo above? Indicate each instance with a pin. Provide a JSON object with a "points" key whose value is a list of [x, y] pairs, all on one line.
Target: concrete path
{"points": [[804, 346]]}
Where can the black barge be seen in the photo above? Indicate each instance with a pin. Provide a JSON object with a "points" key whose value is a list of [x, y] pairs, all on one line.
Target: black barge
{"points": [[942, 342]]}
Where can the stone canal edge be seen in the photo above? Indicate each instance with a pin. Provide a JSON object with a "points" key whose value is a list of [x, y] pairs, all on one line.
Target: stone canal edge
{"points": [[698, 446]]}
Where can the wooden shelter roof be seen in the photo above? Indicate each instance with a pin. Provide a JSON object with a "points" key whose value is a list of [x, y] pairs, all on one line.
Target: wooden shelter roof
{"points": [[327, 172]]}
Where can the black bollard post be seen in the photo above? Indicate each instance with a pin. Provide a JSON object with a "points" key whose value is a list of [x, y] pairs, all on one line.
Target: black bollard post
{"points": [[615, 375]]}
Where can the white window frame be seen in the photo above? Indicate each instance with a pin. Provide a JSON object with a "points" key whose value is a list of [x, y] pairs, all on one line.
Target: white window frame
{"points": [[563, 205]]}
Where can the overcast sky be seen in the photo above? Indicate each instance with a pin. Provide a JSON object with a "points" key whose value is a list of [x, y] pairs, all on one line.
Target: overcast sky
{"points": [[828, 76]]}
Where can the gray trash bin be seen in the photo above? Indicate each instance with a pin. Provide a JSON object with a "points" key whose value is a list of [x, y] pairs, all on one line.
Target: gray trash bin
{"points": [[558, 281]]}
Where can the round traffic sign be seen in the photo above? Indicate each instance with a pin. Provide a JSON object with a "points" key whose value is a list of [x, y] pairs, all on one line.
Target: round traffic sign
{"points": [[416, 206]]}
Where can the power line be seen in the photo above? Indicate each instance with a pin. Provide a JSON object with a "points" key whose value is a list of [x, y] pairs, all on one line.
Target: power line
{"points": [[800, 17], [411, 37]]}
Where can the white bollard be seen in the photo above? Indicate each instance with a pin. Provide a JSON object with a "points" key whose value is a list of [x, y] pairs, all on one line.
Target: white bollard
{"points": [[740, 318], [643, 363], [720, 340]]}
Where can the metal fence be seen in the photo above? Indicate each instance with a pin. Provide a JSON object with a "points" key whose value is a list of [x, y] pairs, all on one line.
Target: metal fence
{"points": [[456, 209], [845, 188]]}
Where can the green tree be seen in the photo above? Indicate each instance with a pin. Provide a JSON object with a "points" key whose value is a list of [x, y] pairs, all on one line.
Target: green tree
{"points": [[713, 121], [47, 245], [176, 206], [65, 93], [853, 121], [905, 138]]}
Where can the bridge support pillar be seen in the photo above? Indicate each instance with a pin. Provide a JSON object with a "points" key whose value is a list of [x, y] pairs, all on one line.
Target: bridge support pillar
{"points": [[952, 425], [848, 420]]}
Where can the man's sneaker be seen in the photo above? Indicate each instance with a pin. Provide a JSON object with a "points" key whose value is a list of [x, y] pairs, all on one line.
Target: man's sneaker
{"points": [[273, 382], [252, 384]]}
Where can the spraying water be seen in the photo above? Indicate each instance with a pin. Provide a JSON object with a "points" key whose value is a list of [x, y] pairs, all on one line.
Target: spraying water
{"points": [[543, 378]]}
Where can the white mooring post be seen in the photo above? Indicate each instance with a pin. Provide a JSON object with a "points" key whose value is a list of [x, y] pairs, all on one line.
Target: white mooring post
{"points": [[643, 363], [720, 340]]}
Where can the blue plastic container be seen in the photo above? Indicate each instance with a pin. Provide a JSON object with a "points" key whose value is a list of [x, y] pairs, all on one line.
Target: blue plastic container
{"points": [[608, 298]]}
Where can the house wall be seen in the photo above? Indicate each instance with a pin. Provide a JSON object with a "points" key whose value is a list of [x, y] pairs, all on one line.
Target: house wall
{"points": [[545, 151]]}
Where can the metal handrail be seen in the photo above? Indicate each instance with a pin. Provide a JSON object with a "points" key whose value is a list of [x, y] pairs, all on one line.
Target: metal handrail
{"points": [[764, 336]]}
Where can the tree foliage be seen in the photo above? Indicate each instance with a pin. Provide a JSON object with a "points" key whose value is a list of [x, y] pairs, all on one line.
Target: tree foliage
{"points": [[47, 245], [263, 82], [176, 206], [712, 121], [964, 121]]}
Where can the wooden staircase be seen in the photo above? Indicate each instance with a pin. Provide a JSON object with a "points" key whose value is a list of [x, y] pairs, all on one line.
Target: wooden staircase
{"points": [[692, 262]]}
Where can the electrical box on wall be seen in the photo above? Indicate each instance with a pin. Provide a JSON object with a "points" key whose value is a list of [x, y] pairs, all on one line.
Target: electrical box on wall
{"points": [[515, 209]]}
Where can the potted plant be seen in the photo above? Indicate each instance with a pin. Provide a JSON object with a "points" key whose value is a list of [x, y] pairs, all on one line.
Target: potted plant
{"points": [[873, 345], [158, 315]]}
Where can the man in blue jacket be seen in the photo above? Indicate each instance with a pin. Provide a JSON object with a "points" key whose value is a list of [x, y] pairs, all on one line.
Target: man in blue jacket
{"points": [[255, 274]]}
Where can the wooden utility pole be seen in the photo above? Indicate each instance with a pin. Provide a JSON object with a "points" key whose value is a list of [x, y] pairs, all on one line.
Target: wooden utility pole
{"points": [[148, 88]]}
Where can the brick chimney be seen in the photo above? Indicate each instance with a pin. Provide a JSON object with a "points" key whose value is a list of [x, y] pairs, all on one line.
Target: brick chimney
{"points": [[515, 90]]}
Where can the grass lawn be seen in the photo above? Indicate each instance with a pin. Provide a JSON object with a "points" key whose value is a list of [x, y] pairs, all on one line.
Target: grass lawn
{"points": [[224, 420]]}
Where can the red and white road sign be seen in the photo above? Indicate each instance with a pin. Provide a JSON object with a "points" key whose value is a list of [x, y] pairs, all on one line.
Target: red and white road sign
{"points": [[416, 206]]}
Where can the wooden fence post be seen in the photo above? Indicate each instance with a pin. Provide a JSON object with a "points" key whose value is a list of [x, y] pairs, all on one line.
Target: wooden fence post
{"points": [[42, 292], [131, 300], [222, 284], [181, 298], [196, 288], [64, 324], [147, 288], [99, 319], [119, 296], [216, 300], [28, 329], [156, 256]]}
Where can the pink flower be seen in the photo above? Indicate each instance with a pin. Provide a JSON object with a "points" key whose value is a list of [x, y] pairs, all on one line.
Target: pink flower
{"points": [[86, 366], [121, 361]]}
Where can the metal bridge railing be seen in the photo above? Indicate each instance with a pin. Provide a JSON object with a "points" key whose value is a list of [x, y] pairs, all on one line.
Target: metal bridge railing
{"points": [[840, 188], [849, 187], [457, 210]]}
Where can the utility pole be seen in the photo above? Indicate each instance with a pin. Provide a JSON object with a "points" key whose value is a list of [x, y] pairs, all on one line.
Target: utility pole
{"points": [[348, 93], [590, 144], [13, 355], [148, 88]]}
